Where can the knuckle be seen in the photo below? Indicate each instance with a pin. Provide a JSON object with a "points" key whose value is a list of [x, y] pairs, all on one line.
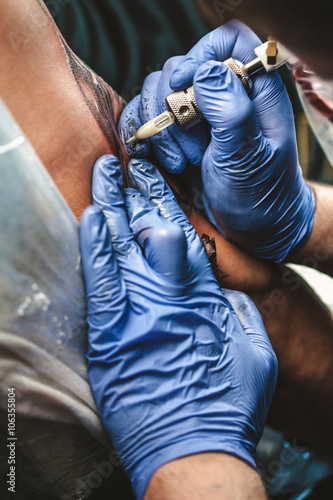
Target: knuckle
{"points": [[152, 80], [172, 232], [171, 64]]}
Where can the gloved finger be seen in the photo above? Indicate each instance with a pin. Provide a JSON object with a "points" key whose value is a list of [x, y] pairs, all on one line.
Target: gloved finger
{"points": [[163, 242], [253, 326], [129, 123], [146, 178], [227, 107], [164, 147], [273, 107], [105, 290], [250, 320], [108, 196], [233, 39], [193, 141]]}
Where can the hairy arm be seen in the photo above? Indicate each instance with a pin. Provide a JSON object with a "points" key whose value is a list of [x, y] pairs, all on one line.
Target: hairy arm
{"points": [[209, 476], [318, 250]]}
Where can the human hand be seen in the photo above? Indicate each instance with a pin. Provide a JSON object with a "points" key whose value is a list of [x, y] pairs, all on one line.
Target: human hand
{"points": [[172, 147], [177, 366], [253, 189]]}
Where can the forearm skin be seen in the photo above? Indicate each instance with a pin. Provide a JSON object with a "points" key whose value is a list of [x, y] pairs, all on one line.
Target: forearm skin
{"points": [[317, 252], [206, 476]]}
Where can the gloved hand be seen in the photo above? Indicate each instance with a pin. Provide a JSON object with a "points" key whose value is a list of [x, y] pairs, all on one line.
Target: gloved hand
{"points": [[253, 189], [174, 370]]}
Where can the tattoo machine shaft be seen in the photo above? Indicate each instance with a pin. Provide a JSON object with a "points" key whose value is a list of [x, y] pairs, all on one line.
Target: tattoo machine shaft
{"points": [[182, 105]]}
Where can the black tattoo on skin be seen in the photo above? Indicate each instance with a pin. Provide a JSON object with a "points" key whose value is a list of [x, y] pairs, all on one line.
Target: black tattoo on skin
{"points": [[99, 97], [104, 103], [210, 249]]}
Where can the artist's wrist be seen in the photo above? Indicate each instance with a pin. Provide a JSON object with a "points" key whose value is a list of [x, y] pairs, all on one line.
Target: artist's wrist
{"points": [[278, 240], [306, 220], [205, 475], [147, 466]]}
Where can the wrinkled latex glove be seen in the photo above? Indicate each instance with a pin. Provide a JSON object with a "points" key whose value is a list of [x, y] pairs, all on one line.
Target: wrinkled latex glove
{"points": [[177, 366], [253, 189], [173, 147]]}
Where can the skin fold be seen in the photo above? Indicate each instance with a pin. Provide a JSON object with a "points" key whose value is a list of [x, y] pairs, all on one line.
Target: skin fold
{"points": [[70, 116]]}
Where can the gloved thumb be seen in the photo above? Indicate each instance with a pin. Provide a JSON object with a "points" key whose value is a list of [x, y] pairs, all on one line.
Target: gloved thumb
{"points": [[163, 242], [252, 324], [225, 104]]}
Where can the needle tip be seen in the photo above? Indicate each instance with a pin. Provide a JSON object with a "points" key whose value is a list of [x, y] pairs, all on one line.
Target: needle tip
{"points": [[131, 140]]}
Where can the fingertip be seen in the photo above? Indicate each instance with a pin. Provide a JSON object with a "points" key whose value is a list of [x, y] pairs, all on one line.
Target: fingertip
{"points": [[138, 149], [222, 98], [92, 215], [141, 173], [163, 242], [165, 248], [147, 179], [182, 76], [215, 72], [250, 319], [129, 124], [164, 88], [107, 181], [176, 164], [93, 236], [108, 165], [172, 64], [91, 211], [244, 306]]}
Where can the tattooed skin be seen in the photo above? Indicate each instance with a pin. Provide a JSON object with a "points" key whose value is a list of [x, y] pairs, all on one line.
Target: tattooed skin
{"points": [[99, 97], [104, 103]]}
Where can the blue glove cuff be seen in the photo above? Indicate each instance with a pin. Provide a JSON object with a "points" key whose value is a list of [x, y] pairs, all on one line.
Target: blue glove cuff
{"points": [[146, 468], [291, 232]]}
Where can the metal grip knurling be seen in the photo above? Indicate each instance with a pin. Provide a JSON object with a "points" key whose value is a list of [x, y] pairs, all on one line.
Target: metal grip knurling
{"points": [[184, 106], [239, 70]]}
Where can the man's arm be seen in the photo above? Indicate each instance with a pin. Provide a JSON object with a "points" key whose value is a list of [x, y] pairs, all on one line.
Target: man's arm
{"points": [[209, 476], [68, 113], [317, 252]]}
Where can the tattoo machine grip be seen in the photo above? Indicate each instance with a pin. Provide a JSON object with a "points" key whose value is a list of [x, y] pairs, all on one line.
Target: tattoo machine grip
{"points": [[184, 106]]}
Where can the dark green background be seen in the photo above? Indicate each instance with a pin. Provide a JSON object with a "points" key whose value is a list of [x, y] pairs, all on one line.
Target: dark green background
{"points": [[125, 40]]}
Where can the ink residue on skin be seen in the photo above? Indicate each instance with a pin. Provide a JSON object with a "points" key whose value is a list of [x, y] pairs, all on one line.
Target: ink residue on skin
{"points": [[102, 101]]}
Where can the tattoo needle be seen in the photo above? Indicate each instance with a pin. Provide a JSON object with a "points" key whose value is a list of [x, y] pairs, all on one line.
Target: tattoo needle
{"points": [[153, 127]]}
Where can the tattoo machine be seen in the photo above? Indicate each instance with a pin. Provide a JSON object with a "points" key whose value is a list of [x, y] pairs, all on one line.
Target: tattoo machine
{"points": [[183, 108]]}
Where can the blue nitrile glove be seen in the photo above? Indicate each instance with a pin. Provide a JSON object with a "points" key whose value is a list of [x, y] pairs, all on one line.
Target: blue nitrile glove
{"points": [[173, 147], [254, 191], [174, 370]]}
